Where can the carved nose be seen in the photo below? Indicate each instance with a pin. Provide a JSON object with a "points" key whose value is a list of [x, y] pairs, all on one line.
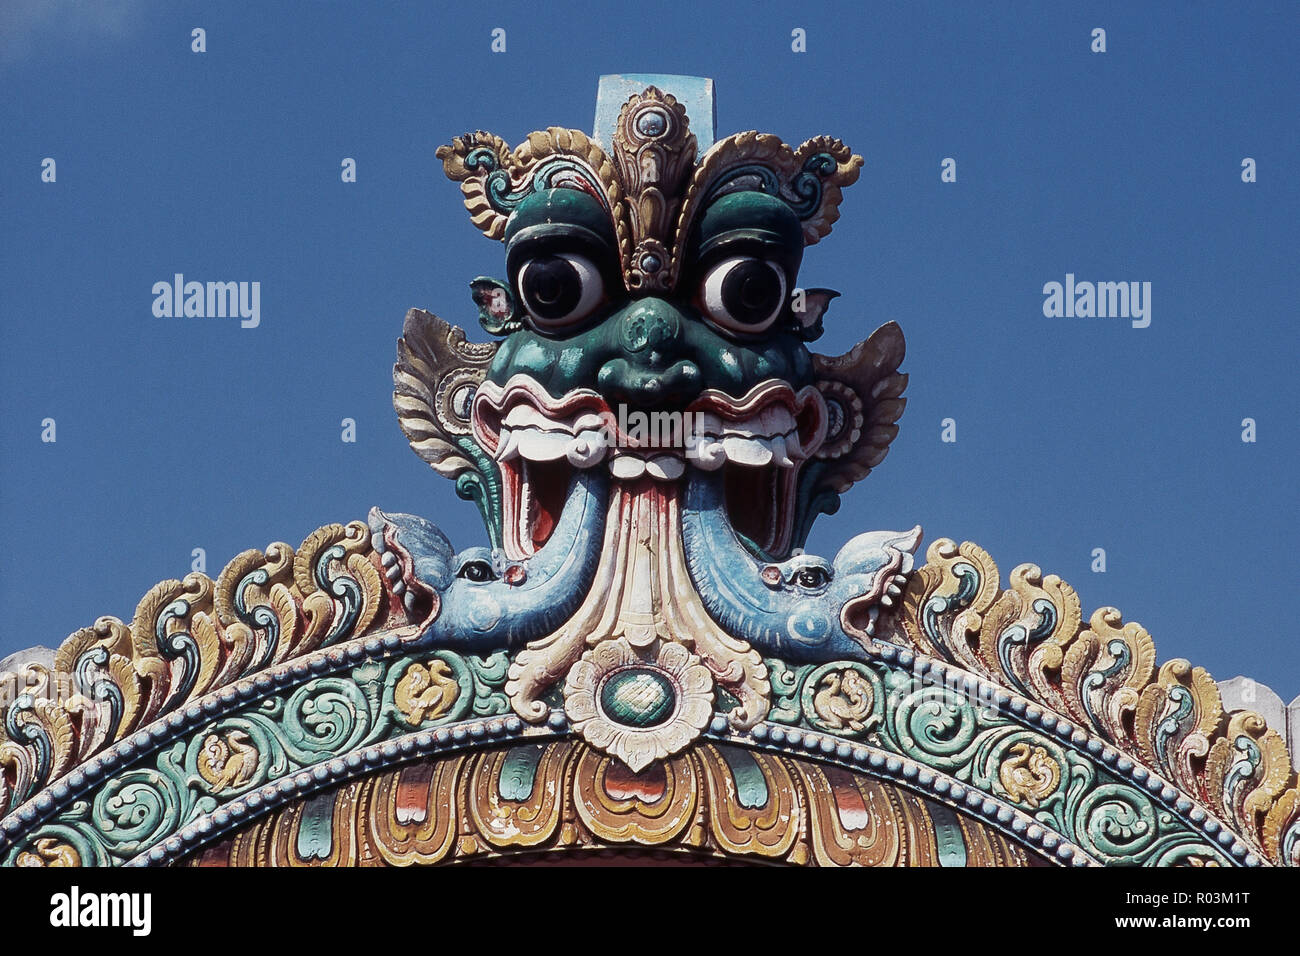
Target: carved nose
{"points": [[650, 326], [651, 368]]}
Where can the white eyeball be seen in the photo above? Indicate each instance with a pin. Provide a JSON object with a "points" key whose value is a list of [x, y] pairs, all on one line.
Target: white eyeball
{"points": [[743, 294], [560, 290]]}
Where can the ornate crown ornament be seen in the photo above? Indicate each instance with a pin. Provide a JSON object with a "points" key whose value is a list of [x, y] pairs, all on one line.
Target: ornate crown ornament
{"points": [[651, 186], [642, 655]]}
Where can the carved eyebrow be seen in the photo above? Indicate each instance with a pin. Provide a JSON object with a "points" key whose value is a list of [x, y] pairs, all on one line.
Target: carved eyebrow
{"points": [[558, 237], [560, 215], [760, 243], [560, 234]]}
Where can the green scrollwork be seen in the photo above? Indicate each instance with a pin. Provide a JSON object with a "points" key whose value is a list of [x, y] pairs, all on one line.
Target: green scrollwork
{"points": [[136, 809], [937, 723], [260, 743], [489, 673], [327, 716], [942, 724], [787, 680], [70, 843], [1118, 823]]}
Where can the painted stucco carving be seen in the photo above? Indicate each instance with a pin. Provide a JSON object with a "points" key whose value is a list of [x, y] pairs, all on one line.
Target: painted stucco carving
{"points": [[642, 621]]}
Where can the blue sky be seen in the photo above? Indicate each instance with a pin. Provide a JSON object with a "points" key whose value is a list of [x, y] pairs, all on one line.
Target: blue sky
{"points": [[1073, 434]]}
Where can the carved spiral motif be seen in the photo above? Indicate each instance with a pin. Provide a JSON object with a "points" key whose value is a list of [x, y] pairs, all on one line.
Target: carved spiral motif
{"points": [[324, 717], [135, 809], [1118, 823], [936, 722]]}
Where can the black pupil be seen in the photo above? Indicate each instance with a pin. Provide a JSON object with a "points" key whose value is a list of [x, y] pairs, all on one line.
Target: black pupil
{"points": [[477, 571], [751, 291], [552, 287], [810, 579]]}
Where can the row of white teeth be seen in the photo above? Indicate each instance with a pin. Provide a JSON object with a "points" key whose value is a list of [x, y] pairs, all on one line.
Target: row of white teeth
{"points": [[767, 422], [714, 443]]}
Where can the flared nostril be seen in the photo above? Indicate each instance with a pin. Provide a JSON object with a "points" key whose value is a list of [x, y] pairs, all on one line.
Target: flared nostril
{"points": [[672, 387]]}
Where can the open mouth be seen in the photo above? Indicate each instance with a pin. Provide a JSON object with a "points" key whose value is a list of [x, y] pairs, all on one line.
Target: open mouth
{"points": [[759, 441], [537, 442]]}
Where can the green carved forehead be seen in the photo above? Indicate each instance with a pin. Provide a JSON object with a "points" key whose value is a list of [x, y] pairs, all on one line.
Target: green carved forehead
{"points": [[560, 216], [748, 223]]}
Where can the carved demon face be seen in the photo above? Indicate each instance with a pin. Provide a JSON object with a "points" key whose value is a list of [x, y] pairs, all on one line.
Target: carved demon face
{"points": [[714, 375], [651, 323]]}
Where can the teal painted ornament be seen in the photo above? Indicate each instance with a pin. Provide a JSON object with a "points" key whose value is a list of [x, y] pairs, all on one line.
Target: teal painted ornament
{"points": [[638, 697]]}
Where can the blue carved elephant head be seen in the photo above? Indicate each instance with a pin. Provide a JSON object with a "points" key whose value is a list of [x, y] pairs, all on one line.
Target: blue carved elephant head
{"points": [[800, 608], [485, 602]]}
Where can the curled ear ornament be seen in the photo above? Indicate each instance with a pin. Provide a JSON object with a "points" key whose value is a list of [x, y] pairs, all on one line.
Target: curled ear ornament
{"points": [[497, 311], [806, 309]]}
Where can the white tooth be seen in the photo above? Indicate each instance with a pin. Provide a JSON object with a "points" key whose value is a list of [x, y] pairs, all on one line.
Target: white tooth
{"points": [[749, 428], [777, 420], [793, 445], [746, 451], [542, 446], [585, 450], [525, 416], [507, 445], [525, 539], [709, 454], [779, 455], [585, 422], [627, 466], [707, 423], [666, 467]]}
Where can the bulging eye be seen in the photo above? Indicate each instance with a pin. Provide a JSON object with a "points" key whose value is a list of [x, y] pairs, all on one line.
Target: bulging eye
{"points": [[812, 578], [479, 572], [560, 290], [744, 294]]}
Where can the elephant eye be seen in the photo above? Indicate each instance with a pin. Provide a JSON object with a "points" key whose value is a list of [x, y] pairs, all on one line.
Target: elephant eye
{"points": [[743, 294], [478, 572], [812, 578], [560, 290]]}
